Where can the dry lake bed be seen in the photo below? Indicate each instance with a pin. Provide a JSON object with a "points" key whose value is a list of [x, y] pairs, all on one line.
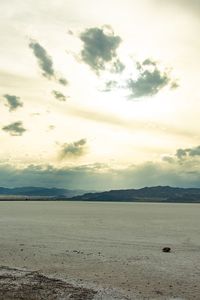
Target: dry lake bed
{"points": [[76, 250]]}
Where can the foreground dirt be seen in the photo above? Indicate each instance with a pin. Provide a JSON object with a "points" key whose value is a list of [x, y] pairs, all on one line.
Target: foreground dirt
{"points": [[19, 284], [114, 250]]}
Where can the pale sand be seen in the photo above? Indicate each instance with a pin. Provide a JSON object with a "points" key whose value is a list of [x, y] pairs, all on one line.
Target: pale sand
{"points": [[114, 249]]}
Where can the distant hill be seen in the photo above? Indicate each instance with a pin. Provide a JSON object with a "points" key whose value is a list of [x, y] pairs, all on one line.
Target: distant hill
{"points": [[39, 192], [147, 194]]}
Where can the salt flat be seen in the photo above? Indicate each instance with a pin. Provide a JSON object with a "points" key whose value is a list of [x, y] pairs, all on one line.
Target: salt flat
{"points": [[115, 246]]}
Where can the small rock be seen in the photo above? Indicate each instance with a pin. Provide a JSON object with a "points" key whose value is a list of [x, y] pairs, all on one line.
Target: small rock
{"points": [[166, 249]]}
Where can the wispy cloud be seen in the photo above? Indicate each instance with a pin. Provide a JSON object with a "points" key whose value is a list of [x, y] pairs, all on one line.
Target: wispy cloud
{"points": [[13, 102], [110, 85], [44, 60], [15, 129]]}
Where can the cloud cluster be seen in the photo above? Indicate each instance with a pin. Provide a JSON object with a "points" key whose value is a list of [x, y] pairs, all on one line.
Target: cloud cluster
{"points": [[150, 80], [100, 53], [98, 176], [15, 129], [59, 96], [73, 150], [99, 48]]}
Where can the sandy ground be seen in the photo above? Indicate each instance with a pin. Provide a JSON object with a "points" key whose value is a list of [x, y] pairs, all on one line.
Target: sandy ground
{"points": [[100, 250], [21, 284]]}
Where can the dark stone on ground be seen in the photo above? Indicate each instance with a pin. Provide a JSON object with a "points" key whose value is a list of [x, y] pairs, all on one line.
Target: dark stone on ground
{"points": [[166, 249]]}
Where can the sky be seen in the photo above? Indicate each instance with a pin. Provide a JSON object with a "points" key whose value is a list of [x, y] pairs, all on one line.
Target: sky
{"points": [[99, 94]]}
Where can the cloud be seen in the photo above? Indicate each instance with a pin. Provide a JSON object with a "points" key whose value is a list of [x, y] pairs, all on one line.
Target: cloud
{"points": [[44, 60], [15, 129], [188, 152], [98, 176], [99, 48], [63, 81], [180, 153], [59, 96], [13, 102], [110, 85], [169, 159], [186, 158], [150, 80], [75, 149], [117, 66], [49, 176]]}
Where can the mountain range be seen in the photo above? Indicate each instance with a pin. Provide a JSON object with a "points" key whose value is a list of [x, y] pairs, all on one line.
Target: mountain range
{"points": [[146, 194], [39, 192]]}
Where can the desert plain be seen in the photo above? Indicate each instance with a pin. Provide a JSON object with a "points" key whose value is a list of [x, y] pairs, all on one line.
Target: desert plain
{"points": [[90, 250]]}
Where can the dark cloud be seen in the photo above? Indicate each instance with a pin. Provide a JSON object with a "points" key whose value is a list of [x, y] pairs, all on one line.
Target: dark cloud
{"points": [[194, 151], [49, 176], [13, 102], [15, 129], [98, 176], [75, 149], [188, 152], [150, 80], [44, 60], [99, 48], [186, 158], [59, 96]]}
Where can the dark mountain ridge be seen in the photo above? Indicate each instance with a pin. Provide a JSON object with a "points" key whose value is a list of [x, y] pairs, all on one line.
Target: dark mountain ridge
{"points": [[146, 194]]}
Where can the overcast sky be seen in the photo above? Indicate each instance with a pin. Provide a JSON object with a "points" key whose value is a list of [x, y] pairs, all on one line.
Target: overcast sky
{"points": [[99, 94]]}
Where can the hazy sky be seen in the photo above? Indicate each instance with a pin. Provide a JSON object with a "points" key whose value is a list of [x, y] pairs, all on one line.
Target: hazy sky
{"points": [[99, 94]]}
